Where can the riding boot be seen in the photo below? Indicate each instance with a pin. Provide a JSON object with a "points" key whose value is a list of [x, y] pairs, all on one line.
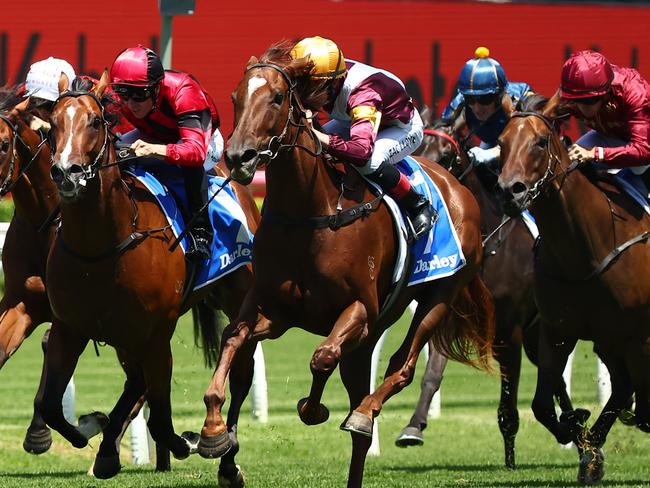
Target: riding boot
{"points": [[419, 210], [196, 187]]}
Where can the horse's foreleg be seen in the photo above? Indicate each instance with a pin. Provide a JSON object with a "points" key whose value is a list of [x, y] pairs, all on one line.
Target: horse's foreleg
{"points": [[15, 326], [38, 438], [156, 364], [411, 435], [507, 352], [350, 329], [65, 346], [637, 359], [107, 461], [552, 358]]}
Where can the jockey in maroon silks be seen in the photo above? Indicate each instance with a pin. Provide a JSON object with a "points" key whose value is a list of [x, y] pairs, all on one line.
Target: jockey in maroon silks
{"points": [[373, 123], [176, 122], [615, 103]]}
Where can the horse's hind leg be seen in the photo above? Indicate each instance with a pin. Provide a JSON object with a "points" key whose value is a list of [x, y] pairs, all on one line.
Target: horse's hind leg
{"points": [[156, 364], [348, 332], [637, 359], [411, 435], [107, 461], [355, 374], [63, 351]]}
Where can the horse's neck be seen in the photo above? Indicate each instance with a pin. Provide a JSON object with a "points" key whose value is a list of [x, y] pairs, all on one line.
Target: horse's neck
{"points": [[491, 213], [298, 185], [101, 217], [35, 195], [572, 223]]}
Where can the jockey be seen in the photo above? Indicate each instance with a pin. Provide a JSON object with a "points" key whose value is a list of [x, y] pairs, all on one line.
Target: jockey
{"points": [[373, 123], [615, 103], [176, 122], [482, 86]]}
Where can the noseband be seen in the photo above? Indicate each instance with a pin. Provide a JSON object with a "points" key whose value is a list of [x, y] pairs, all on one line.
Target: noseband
{"points": [[89, 170]]}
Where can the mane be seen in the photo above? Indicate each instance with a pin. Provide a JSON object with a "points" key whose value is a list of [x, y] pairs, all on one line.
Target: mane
{"points": [[532, 103], [9, 97], [312, 93]]}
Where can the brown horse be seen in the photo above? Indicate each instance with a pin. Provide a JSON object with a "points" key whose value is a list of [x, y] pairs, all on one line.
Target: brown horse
{"points": [[318, 267], [25, 172], [588, 275], [111, 277], [507, 270]]}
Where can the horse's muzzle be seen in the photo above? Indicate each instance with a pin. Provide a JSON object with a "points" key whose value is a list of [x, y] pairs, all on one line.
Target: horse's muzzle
{"points": [[513, 197], [69, 181], [242, 164]]}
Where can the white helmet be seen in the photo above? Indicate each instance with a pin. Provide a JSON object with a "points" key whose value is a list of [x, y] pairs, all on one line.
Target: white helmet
{"points": [[43, 78]]}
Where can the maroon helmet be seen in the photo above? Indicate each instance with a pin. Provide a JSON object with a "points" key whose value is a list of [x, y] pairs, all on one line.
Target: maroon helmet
{"points": [[137, 66], [585, 74]]}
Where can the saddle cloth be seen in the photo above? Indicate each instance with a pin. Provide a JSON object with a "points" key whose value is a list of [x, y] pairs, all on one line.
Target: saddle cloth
{"points": [[232, 245], [436, 255]]}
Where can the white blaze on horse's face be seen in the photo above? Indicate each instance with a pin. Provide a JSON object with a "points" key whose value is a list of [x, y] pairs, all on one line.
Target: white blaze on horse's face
{"points": [[67, 149], [254, 83]]}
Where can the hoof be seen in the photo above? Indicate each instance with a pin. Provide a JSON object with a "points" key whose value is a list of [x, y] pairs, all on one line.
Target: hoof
{"points": [[358, 423], [192, 439], [214, 446], [627, 417], [592, 467], [106, 467], [309, 418], [231, 478], [37, 441], [410, 436], [92, 424]]}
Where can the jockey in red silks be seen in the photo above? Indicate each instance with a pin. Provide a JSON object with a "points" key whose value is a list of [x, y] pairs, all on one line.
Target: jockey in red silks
{"points": [[373, 123], [615, 103], [176, 122]]}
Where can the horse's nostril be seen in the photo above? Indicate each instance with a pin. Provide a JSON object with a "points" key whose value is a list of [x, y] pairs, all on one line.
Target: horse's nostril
{"points": [[76, 169], [518, 188], [248, 155], [57, 174]]}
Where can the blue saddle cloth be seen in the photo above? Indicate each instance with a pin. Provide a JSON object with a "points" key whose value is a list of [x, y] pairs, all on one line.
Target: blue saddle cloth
{"points": [[232, 245], [439, 254]]}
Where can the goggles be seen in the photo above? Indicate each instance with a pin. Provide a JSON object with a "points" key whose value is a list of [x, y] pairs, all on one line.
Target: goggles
{"points": [[480, 99]]}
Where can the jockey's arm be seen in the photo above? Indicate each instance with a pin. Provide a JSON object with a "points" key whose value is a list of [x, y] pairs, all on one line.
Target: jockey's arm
{"points": [[637, 151]]}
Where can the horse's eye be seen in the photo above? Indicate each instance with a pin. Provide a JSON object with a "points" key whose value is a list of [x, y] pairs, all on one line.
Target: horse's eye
{"points": [[96, 122], [542, 142], [278, 98], [4, 146]]}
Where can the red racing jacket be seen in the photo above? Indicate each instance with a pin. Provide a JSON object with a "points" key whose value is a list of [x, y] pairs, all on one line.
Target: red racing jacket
{"points": [[625, 115], [184, 117]]}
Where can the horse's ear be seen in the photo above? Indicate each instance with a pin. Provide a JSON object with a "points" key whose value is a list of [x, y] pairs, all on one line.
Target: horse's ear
{"points": [[64, 83], [102, 84], [551, 109], [19, 109], [506, 104], [253, 60], [426, 114]]}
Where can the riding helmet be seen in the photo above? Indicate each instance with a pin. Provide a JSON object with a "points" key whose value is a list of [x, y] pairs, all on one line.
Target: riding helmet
{"points": [[482, 75], [137, 66], [585, 74], [328, 59]]}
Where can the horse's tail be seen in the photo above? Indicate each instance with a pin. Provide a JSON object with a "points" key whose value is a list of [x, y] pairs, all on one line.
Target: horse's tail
{"points": [[467, 333], [208, 327]]}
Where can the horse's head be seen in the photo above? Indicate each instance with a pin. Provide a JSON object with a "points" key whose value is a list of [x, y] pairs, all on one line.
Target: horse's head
{"points": [[79, 137], [10, 140], [530, 154], [265, 116]]}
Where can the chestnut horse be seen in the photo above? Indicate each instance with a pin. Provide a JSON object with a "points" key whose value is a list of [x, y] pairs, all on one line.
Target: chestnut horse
{"points": [[319, 268], [507, 270], [111, 277], [589, 280]]}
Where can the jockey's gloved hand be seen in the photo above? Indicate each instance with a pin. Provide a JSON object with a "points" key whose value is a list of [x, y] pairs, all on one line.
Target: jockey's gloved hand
{"points": [[486, 157]]}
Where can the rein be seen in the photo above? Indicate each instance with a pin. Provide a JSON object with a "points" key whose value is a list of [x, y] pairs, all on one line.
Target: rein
{"points": [[549, 176]]}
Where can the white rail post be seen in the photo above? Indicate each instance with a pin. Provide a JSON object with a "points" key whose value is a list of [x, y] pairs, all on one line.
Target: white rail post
{"points": [[140, 439], [259, 397], [374, 365]]}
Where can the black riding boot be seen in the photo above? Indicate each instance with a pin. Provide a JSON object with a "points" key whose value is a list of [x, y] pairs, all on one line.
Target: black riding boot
{"points": [[196, 187], [420, 212]]}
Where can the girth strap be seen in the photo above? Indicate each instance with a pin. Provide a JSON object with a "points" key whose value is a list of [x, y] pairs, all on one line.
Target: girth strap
{"points": [[616, 252]]}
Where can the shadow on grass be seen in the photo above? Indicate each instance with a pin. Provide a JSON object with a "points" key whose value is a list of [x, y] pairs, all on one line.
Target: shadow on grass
{"points": [[478, 467]]}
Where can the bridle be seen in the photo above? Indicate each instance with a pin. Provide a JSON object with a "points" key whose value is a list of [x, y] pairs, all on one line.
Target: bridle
{"points": [[89, 170], [276, 144], [9, 182]]}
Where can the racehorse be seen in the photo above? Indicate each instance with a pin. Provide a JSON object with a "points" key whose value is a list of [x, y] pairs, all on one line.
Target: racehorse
{"points": [[588, 274], [507, 270], [319, 267], [111, 277]]}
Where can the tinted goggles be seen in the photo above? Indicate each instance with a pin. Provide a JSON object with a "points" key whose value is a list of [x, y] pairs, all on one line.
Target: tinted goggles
{"points": [[480, 99], [137, 94], [587, 101]]}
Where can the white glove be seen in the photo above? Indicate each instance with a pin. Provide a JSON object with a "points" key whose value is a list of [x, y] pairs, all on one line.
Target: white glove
{"points": [[484, 156], [37, 124]]}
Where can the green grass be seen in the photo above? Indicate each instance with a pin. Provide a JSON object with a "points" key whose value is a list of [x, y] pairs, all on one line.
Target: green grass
{"points": [[462, 449]]}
